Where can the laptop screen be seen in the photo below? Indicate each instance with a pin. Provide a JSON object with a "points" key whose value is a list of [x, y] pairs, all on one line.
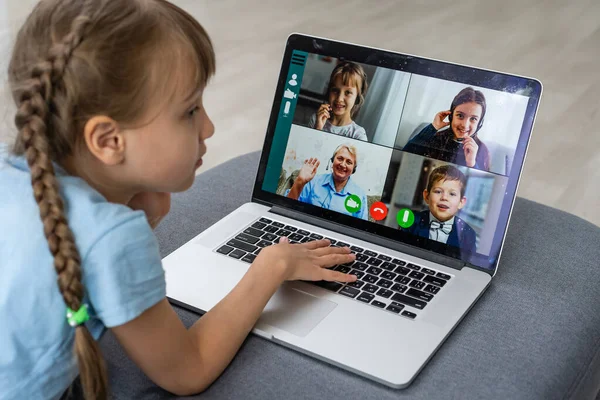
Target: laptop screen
{"points": [[422, 152]]}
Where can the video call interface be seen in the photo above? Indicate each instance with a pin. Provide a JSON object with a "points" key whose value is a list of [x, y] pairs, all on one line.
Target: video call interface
{"points": [[421, 155]]}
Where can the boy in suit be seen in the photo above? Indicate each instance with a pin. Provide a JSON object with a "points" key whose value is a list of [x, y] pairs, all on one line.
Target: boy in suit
{"points": [[445, 196]]}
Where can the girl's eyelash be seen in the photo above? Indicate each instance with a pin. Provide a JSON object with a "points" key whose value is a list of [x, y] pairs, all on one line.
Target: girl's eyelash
{"points": [[193, 111]]}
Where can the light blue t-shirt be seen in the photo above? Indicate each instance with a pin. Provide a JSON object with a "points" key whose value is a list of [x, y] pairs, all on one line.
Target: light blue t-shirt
{"points": [[122, 276], [320, 191]]}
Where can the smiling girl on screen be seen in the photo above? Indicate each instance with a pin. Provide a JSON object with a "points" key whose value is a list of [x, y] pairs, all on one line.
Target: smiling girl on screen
{"points": [[459, 143], [345, 95]]}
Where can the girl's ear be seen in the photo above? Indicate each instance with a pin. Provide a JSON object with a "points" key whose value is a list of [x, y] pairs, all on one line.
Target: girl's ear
{"points": [[104, 139]]}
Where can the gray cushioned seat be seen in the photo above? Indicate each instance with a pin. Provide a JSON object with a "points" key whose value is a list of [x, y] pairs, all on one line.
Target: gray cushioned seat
{"points": [[535, 334]]}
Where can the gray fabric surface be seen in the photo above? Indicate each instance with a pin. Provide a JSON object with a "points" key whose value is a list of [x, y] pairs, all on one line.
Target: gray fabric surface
{"points": [[535, 334]]}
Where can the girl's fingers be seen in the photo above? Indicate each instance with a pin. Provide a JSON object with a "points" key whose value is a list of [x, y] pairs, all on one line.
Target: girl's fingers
{"points": [[316, 244], [337, 276], [323, 251], [284, 239], [330, 260]]}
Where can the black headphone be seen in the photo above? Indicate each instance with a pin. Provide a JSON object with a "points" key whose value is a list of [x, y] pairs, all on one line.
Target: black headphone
{"points": [[335, 152]]}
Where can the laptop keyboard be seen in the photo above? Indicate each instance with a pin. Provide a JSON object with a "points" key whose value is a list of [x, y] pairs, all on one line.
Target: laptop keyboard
{"points": [[383, 281]]}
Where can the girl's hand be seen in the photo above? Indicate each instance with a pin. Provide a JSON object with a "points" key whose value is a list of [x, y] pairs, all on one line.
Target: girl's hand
{"points": [[156, 205], [438, 121], [308, 170], [322, 116], [470, 147], [308, 261]]}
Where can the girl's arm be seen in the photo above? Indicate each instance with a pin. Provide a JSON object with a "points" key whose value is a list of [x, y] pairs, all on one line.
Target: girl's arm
{"points": [[188, 361]]}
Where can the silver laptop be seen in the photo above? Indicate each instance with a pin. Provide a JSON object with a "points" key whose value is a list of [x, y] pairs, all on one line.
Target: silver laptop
{"points": [[418, 166]]}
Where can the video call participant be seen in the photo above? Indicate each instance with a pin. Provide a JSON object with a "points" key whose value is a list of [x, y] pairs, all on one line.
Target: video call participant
{"points": [[459, 144], [346, 94], [445, 196], [330, 190]]}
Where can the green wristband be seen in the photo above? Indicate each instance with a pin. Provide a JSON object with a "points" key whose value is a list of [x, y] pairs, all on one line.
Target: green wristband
{"points": [[78, 317]]}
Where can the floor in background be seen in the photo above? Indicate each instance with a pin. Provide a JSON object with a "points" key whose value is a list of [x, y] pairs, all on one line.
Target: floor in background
{"points": [[554, 41]]}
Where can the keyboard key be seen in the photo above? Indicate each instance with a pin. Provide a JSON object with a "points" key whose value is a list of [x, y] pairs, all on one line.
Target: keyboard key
{"points": [[384, 293], [238, 244], [399, 288], [378, 304], [403, 280], [374, 261], [409, 314], [343, 269], [332, 241], [357, 284], [237, 254], [389, 275], [254, 232], [395, 308], [370, 278], [361, 257], [416, 275], [402, 270], [342, 244], [388, 266], [433, 279], [247, 238], [296, 237], [409, 301], [384, 283], [348, 264], [365, 297], [263, 243], [374, 270], [303, 232], [290, 228], [413, 267], [428, 271], [432, 289], [249, 258], [443, 276], [265, 220], [398, 262], [417, 284], [224, 249], [269, 236], [356, 249], [271, 229], [306, 239], [283, 232], [258, 225], [333, 286], [278, 224], [349, 291], [384, 257], [360, 266], [370, 288], [419, 295], [257, 252], [370, 253], [359, 274], [315, 236]]}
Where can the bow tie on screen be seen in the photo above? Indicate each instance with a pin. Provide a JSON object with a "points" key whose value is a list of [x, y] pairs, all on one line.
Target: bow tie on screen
{"points": [[446, 228]]}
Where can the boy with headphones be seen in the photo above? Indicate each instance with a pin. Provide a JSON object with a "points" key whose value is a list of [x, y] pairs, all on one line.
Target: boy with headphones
{"points": [[345, 95], [330, 190]]}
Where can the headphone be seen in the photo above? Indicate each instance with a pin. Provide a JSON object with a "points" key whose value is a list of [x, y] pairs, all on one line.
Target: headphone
{"points": [[335, 152]]}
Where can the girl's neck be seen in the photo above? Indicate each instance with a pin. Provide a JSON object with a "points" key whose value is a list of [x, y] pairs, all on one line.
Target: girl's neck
{"points": [[341, 120]]}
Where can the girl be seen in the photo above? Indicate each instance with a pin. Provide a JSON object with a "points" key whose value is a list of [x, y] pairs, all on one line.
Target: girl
{"points": [[346, 94], [459, 144], [110, 119]]}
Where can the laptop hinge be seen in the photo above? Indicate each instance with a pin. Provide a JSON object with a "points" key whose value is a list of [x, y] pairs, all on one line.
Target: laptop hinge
{"points": [[372, 238]]}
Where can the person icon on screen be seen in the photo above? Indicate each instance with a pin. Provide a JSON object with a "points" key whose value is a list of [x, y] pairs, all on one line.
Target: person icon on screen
{"points": [[293, 81]]}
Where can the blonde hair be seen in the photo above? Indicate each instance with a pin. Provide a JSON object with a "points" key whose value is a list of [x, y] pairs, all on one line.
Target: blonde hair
{"points": [[74, 59]]}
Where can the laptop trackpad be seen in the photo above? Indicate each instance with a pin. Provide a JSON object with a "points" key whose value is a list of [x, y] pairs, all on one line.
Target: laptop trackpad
{"points": [[295, 312]]}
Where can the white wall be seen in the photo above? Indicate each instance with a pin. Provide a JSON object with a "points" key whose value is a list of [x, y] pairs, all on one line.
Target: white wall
{"points": [[372, 164]]}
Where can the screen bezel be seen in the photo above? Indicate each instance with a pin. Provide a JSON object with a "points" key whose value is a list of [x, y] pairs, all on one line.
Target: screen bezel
{"points": [[530, 87]]}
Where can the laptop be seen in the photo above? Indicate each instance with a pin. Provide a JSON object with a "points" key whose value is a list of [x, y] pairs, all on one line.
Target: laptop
{"points": [[418, 166]]}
